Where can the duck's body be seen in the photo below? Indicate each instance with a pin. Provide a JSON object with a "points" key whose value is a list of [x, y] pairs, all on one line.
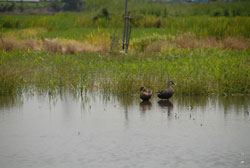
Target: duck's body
{"points": [[145, 94], [167, 93]]}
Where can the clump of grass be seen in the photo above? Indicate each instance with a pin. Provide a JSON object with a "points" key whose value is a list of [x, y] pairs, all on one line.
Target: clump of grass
{"points": [[71, 46], [186, 40], [92, 48], [9, 82], [9, 44], [32, 44], [52, 45], [189, 40], [141, 44], [236, 43], [99, 39]]}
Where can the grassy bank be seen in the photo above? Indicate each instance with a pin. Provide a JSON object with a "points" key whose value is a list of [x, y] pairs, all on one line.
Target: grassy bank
{"points": [[197, 72]]}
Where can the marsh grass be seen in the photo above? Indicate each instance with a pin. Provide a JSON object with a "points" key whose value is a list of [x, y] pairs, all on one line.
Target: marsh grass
{"points": [[10, 82], [196, 72]]}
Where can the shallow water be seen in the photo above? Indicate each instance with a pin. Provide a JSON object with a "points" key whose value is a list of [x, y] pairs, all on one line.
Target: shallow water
{"points": [[98, 130]]}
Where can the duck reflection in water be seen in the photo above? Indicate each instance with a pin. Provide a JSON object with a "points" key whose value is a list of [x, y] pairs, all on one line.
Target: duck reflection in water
{"points": [[166, 104], [145, 105]]}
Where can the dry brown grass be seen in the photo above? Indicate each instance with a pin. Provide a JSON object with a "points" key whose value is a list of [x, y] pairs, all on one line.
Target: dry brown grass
{"points": [[52, 45], [188, 40], [32, 44], [156, 46], [9, 44], [191, 41], [91, 48], [70, 47], [64, 46], [236, 43]]}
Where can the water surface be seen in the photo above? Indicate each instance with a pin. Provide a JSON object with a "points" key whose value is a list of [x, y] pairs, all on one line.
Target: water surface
{"points": [[97, 130]]}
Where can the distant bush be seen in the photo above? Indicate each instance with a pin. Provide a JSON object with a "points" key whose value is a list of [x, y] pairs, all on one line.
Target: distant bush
{"points": [[7, 7], [10, 23], [103, 14], [102, 18], [146, 21], [236, 12], [11, 7], [226, 12], [72, 5], [3, 8], [56, 5], [217, 12], [239, 8]]}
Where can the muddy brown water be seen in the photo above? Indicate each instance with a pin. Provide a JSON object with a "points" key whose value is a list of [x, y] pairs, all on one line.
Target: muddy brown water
{"points": [[100, 131]]}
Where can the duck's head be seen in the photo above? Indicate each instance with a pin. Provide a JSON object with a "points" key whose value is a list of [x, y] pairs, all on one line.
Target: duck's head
{"points": [[142, 88], [171, 83]]}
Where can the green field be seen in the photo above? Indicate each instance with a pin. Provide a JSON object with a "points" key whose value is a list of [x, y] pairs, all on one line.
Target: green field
{"points": [[202, 26]]}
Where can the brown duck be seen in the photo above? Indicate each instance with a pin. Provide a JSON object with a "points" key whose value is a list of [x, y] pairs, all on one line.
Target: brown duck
{"points": [[145, 94], [167, 93]]}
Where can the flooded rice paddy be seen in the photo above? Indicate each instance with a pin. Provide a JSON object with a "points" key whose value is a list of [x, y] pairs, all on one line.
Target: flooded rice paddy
{"points": [[97, 130]]}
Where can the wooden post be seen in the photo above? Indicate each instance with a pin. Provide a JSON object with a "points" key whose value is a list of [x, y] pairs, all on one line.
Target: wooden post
{"points": [[125, 25]]}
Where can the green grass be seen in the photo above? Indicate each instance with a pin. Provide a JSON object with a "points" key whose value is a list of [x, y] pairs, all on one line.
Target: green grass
{"points": [[68, 24], [196, 72]]}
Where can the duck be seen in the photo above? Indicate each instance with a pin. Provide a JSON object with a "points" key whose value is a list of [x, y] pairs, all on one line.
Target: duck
{"points": [[145, 94], [167, 93]]}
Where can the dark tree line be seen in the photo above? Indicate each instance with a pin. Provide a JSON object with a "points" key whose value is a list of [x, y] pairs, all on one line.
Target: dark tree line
{"points": [[54, 5], [67, 5]]}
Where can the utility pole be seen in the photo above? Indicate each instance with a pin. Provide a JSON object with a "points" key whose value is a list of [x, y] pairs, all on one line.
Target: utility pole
{"points": [[126, 29]]}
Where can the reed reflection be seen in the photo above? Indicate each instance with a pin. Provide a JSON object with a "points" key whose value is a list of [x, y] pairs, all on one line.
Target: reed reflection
{"points": [[166, 105], [10, 101]]}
